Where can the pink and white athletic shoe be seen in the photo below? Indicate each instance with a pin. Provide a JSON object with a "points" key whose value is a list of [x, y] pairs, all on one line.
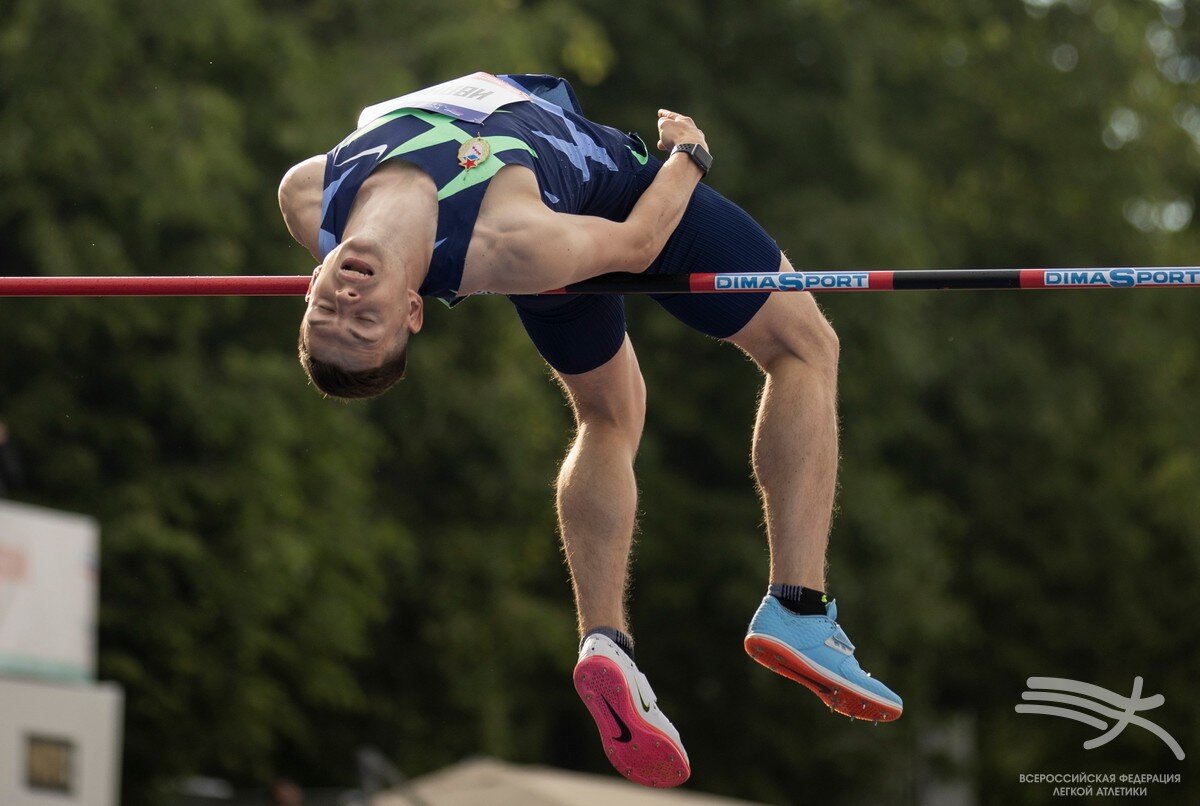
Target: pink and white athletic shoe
{"points": [[638, 738]]}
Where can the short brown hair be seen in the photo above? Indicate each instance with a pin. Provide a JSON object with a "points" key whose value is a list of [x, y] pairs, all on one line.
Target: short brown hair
{"points": [[333, 381]]}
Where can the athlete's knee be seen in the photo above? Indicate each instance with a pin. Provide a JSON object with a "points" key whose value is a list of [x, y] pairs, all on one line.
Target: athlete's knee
{"points": [[611, 397], [788, 331], [812, 339], [620, 408]]}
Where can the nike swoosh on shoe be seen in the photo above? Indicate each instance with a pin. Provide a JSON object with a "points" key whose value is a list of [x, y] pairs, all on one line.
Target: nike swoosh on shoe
{"points": [[625, 735]]}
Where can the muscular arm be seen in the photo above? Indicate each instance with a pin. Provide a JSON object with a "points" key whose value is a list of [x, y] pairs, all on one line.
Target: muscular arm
{"points": [[300, 201], [529, 248], [523, 247]]}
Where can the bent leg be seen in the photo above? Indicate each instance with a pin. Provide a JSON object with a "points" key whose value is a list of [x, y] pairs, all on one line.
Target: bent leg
{"points": [[597, 492], [795, 461], [795, 437], [795, 450]]}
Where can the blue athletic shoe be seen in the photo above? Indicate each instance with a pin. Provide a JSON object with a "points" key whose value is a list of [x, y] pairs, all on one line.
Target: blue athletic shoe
{"points": [[815, 652]]}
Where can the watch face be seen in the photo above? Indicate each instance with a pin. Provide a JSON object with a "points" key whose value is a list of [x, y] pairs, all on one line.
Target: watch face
{"points": [[698, 154]]}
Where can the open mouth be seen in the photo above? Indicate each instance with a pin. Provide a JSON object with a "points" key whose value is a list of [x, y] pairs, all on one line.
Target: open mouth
{"points": [[355, 266]]}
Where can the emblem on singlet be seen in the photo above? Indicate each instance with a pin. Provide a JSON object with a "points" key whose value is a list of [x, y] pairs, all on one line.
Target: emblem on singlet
{"points": [[473, 152]]}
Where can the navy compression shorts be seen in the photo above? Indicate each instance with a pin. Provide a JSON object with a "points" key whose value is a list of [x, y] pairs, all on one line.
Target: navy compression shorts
{"points": [[578, 333]]}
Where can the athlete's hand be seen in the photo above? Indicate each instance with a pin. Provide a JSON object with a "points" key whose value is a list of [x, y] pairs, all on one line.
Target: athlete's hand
{"points": [[674, 128]]}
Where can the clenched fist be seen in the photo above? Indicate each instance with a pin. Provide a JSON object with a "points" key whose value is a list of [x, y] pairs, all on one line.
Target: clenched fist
{"points": [[674, 129]]}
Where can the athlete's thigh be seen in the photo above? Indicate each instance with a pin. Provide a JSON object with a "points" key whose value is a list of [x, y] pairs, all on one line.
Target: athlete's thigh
{"points": [[715, 235], [614, 392], [789, 324], [573, 333]]}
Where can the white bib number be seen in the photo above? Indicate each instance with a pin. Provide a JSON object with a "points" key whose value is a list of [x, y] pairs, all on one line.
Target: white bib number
{"points": [[470, 98]]}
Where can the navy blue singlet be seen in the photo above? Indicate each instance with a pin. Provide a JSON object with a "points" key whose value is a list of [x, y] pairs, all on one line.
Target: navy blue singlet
{"points": [[576, 162]]}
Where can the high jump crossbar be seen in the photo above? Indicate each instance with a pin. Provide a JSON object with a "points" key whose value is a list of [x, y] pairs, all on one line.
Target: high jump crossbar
{"points": [[628, 283]]}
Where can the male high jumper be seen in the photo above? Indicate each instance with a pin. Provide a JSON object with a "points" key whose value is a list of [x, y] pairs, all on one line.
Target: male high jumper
{"points": [[499, 184]]}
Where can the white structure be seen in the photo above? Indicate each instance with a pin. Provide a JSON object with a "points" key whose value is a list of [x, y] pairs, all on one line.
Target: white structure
{"points": [[48, 593], [60, 735], [59, 744], [498, 783]]}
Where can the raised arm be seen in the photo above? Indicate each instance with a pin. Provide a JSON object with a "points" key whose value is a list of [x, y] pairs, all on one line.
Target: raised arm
{"points": [[529, 248]]}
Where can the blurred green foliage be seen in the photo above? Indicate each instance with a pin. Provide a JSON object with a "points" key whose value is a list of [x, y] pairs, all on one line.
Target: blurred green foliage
{"points": [[285, 579]]}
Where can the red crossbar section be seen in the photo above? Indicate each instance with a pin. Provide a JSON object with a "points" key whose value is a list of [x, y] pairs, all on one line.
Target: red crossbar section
{"points": [[881, 280], [238, 286], [1033, 278], [701, 282]]}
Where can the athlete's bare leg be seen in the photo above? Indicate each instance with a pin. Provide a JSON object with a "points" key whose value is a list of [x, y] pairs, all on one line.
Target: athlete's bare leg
{"points": [[795, 452], [597, 493]]}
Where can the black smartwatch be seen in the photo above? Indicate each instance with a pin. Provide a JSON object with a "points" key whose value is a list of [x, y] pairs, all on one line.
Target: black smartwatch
{"points": [[698, 153]]}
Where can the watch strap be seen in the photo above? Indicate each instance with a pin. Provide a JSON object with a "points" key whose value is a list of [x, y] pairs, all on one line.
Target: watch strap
{"points": [[698, 153]]}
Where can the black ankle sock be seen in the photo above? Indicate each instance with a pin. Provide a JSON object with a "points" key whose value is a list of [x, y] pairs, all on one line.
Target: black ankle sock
{"points": [[616, 636], [800, 600]]}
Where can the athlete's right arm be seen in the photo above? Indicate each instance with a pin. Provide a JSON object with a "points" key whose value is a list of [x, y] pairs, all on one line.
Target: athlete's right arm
{"points": [[524, 247], [533, 249], [300, 201], [660, 208]]}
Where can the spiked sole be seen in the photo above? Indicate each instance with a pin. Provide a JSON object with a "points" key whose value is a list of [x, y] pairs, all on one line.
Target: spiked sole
{"points": [[638, 750], [839, 694]]}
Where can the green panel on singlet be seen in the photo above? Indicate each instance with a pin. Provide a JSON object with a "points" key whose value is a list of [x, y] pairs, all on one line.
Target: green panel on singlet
{"points": [[442, 131]]}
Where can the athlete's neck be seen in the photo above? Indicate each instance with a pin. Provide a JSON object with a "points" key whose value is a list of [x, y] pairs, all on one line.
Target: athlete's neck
{"points": [[396, 209]]}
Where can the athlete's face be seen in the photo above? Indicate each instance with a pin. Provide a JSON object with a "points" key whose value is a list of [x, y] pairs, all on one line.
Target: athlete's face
{"points": [[360, 308]]}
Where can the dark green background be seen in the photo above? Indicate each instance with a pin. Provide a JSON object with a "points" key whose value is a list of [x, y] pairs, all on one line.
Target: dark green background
{"points": [[286, 578]]}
